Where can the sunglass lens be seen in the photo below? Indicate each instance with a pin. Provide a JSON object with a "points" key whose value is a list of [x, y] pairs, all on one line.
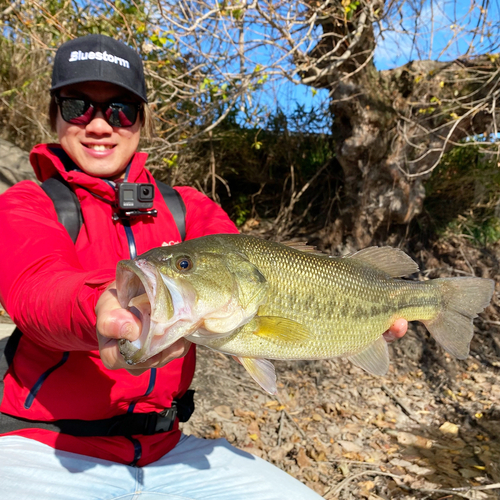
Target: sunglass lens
{"points": [[76, 111], [121, 114]]}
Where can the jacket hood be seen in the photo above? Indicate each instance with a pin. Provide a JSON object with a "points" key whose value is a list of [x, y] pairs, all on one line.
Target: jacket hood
{"points": [[49, 160]]}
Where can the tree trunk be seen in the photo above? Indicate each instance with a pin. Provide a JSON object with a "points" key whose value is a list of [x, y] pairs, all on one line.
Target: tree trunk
{"points": [[392, 127]]}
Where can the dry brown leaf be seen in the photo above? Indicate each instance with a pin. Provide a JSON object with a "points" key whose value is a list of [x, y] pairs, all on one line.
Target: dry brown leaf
{"points": [[253, 451], [223, 411], [344, 468], [243, 413], [409, 439], [365, 488], [449, 429], [276, 454], [253, 428], [216, 433], [302, 459], [469, 473], [351, 447]]}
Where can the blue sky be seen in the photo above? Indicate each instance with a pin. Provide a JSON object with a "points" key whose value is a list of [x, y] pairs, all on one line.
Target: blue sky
{"points": [[444, 33], [436, 23], [444, 30]]}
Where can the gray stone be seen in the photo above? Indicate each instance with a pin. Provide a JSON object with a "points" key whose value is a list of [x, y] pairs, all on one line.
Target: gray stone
{"points": [[14, 165]]}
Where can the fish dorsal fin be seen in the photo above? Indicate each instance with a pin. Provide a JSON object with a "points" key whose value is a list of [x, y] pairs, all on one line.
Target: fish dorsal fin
{"points": [[392, 261], [284, 329], [374, 359], [262, 371], [302, 246]]}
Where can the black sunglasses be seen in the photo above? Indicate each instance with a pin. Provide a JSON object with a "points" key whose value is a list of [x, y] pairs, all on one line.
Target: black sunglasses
{"points": [[82, 111]]}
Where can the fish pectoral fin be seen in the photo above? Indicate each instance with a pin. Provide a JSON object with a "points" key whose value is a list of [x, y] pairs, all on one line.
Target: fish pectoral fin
{"points": [[284, 329], [262, 371], [392, 261], [374, 359]]}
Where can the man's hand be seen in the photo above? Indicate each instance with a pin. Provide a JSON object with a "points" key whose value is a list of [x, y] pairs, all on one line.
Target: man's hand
{"points": [[396, 331], [115, 323]]}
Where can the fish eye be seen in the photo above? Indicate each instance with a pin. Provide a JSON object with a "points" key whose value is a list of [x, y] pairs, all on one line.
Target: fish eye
{"points": [[183, 264]]}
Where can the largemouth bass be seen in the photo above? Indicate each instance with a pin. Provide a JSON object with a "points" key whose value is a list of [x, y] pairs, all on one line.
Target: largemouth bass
{"points": [[258, 300]]}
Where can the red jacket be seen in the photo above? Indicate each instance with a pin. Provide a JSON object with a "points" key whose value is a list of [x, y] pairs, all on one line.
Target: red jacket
{"points": [[50, 287]]}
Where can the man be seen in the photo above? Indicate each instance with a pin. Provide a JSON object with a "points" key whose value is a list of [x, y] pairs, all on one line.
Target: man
{"points": [[82, 416]]}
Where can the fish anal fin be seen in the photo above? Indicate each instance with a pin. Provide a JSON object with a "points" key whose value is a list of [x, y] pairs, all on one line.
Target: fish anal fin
{"points": [[262, 371], [391, 260], [284, 329], [374, 359]]}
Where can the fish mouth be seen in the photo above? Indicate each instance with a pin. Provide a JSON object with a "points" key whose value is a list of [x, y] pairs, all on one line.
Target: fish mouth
{"points": [[157, 301]]}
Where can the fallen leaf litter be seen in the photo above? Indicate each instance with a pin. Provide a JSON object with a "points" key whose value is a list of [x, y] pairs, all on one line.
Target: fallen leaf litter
{"points": [[427, 430]]}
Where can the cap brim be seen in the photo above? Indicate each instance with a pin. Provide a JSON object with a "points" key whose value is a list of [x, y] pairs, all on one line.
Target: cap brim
{"points": [[94, 79]]}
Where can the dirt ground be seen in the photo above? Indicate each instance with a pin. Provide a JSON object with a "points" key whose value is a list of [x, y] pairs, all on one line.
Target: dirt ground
{"points": [[430, 429]]}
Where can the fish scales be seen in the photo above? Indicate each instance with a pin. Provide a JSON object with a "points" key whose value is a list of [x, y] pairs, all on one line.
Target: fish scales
{"points": [[345, 303], [260, 300]]}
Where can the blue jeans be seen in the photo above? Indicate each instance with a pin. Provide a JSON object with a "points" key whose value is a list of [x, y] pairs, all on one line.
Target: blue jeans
{"points": [[195, 469]]}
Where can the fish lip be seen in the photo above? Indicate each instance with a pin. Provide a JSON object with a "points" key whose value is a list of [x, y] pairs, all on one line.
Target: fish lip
{"points": [[129, 279], [128, 272], [135, 277]]}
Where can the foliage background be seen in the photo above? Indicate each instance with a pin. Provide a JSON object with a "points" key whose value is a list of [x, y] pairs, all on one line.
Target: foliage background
{"points": [[220, 126]]}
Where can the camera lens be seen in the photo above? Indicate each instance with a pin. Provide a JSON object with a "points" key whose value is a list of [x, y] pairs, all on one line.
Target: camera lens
{"points": [[146, 192]]}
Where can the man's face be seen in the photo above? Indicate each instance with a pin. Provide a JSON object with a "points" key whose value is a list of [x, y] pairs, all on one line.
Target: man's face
{"points": [[98, 148]]}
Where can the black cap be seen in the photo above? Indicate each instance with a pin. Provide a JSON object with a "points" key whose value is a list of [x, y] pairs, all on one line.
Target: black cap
{"points": [[99, 58]]}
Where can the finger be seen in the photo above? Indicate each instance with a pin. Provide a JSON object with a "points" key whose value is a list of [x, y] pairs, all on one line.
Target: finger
{"points": [[397, 330], [177, 350], [112, 320], [118, 324], [113, 359]]}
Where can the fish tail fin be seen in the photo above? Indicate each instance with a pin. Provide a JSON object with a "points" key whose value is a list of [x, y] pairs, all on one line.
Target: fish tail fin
{"points": [[462, 299]]}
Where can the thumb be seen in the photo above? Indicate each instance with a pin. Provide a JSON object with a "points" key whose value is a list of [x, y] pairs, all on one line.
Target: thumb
{"points": [[118, 324]]}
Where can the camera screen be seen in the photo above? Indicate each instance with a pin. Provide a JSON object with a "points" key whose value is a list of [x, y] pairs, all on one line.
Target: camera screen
{"points": [[128, 195]]}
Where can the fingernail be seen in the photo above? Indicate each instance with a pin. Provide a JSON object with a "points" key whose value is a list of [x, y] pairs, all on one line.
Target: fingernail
{"points": [[389, 337], [126, 330]]}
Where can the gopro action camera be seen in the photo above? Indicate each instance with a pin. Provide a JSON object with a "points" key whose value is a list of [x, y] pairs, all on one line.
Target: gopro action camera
{"points": [[135, 198]]}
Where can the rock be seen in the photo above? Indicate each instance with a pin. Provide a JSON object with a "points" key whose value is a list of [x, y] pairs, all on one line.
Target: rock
{"points": [[14, 165]]}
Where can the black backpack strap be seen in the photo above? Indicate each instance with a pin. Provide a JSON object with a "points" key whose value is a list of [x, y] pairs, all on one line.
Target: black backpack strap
{"points": [[66, 204], [11, 348], [69, 213], [8, 346], [176, 205]]}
